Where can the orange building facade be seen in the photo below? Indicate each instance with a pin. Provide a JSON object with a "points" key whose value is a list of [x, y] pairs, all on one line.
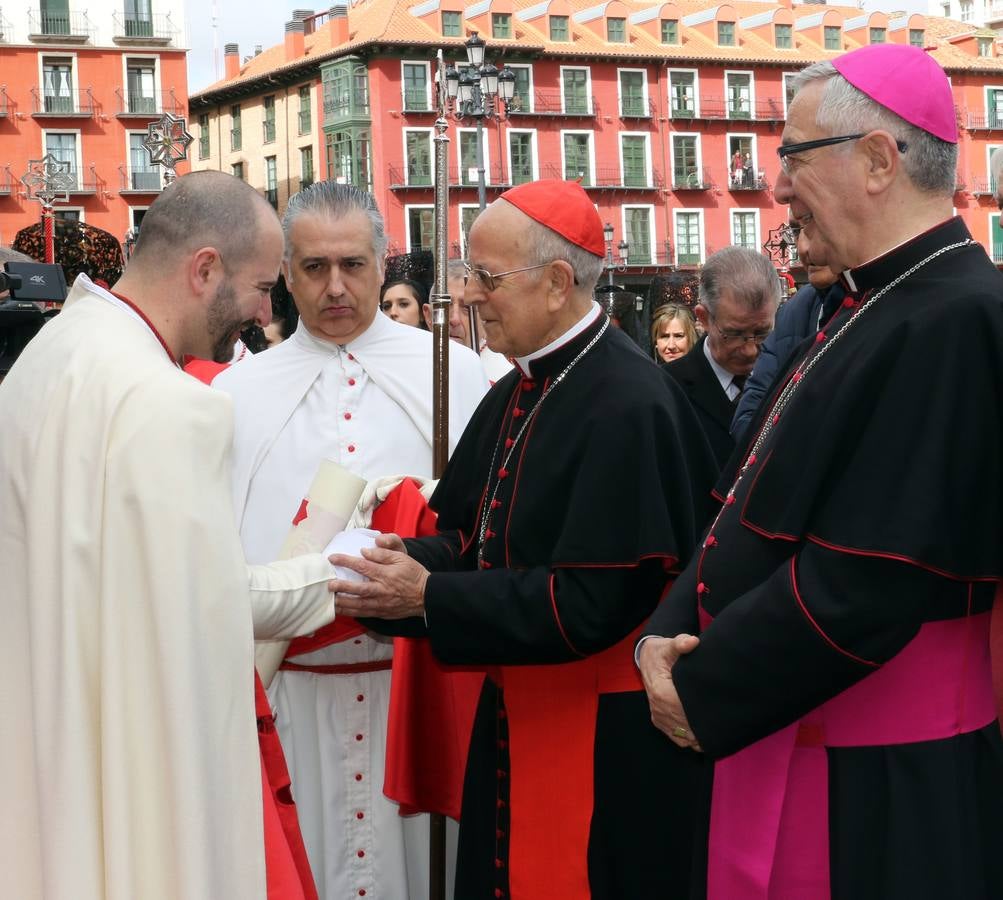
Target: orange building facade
{"points": [[669, 115], [84, 86]]}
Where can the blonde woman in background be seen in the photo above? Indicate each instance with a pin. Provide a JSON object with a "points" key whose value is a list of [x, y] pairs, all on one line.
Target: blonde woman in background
{"points": [[673, 332]]}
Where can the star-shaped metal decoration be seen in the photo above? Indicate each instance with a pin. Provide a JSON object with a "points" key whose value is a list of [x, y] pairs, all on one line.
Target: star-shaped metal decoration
{"points": [[49, 180], [780, 243], [167, 143]]}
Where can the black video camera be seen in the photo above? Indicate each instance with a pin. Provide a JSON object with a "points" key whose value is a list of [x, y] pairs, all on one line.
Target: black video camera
{"points": [[33, 281], [20, 317]]}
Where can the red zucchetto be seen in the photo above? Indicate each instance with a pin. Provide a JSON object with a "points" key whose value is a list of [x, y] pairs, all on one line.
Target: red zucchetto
{"points": [[564, 207]]}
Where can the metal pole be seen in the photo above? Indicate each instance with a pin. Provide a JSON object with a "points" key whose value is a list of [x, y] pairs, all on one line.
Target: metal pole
{"points": [[481, 190], [440, 401]]}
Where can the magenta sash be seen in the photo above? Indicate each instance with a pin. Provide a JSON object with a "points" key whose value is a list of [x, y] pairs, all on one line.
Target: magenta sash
{"points": [[769, 812]]}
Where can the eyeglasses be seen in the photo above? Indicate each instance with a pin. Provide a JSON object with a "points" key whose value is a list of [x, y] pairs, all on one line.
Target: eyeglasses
{"points": [[734, 338], [488, 280], [786, 150]]}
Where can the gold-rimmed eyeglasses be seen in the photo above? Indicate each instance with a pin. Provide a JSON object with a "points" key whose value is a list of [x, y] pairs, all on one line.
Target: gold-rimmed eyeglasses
{"points": [[489, 280]]}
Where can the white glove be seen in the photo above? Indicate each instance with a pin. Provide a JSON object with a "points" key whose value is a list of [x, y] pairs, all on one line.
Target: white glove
{"points": [[377, 490]]}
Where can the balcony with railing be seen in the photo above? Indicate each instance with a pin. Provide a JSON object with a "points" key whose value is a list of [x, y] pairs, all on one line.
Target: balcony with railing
{"points": [[985, 122], [637, 108], [691, 179], [83, 182], [415, 99], [414, 175], [59, 27], [6, 182], [728, 108], [551, 103], [984, 187], [140, 180], [347, 104], [748, 181], [997, 253], [5, 28], [467, 176], [153, 29], [140, 104], [611, 178], [4, 102], [65, 103]]}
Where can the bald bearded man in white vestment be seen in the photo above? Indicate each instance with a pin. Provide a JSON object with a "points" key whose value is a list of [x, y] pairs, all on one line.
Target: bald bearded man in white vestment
{"points": [[130, 743], [353, 386]]}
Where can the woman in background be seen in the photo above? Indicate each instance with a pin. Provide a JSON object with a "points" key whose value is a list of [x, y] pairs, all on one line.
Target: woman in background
{"points": [[402, 301], [673, 332]]}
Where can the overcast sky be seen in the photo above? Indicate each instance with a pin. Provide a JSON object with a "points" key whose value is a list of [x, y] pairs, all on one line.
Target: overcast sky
{"points": [[250, 22]]}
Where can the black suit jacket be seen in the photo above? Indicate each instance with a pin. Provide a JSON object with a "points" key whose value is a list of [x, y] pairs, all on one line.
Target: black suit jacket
{"points": [[708, 399]]}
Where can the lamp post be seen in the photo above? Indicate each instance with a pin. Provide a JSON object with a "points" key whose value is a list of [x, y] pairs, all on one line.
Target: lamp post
{"points": [[619, 263], [479, 92]]}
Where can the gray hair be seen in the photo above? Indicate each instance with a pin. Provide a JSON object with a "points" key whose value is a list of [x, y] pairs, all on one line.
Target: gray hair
{"points": [[336, 201], [455, 269], [929, 163], [8, 255], [548, 245], [749, 276]]}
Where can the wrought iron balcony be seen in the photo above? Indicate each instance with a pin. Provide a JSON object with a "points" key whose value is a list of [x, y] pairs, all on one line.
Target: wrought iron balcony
{"points": [[984, 187], [150, 29], [467, 176], [982, 122], [717, 107], [6, 182], [4, 102], [748, 182], [691, 179], [59, 27], [140, 180], [83, 182], [637, 108], [610, 178], [414, 175], [62, 104], [147, 105], [551, 103]]}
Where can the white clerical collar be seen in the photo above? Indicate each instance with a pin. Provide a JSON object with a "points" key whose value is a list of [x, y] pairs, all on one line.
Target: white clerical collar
{"points": [[309, 341], [591, 316], [723, 375]]}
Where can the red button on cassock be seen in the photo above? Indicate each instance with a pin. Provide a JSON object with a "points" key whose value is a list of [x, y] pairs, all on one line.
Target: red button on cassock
{"points": [[820, 337], [701, 588], [360, 815], [361, 697], [360, 854], [849, 301], [485, 564], [711, 540], [518, 412], [495, 504], [351, 382], [348, 415], [528, 385], [358, 776], [499, 892], [362, 892], [503, 473], [509, 443], [358, 737], [499, 864], [351, 448], [351, 358]]}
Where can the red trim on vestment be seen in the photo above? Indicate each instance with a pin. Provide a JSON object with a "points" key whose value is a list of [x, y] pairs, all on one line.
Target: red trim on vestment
{"points": [[817, 627], [142, 315], [518, 470], [557, 617], [880, 554], [359, 668], [205, 370]]}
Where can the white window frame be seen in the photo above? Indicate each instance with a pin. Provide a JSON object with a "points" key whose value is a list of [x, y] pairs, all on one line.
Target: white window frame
{"points": [[428, 132], [731, 226], [78, 150], [728, 135], [644, 88], [701, 230], [986, 88], [536, 152], [783, 88], [648, 181], [696, 91], [79, 210], [989, 235], [459, 158], [157, 92], [588, 87], [752, 94], [74, 74], [532, 92], [592, 153], [407, 221], [989, 153], [459, 226], [128, 156], [652, 243], [132, 217], [672, 153], [428, 83]]}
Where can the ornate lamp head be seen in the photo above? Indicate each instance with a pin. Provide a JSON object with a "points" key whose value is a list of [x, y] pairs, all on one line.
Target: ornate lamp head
{"points": [[167, 142], [48, 180]]}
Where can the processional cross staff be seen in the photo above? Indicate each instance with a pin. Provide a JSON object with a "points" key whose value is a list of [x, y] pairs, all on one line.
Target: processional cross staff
{"points": [[48, 180], [167, 141]]}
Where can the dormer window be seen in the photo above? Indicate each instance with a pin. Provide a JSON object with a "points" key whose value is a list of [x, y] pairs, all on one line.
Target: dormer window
{"points": [[726, 34], [832, 37], [559, 28], [784, 36], [501, 25], [985, 46], [616, 30], [917, 37], [670, 31], [877, 35], [451, 26]]}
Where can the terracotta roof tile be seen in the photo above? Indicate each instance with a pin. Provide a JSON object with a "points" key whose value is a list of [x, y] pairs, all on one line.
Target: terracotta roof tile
{"points": [[391, 22]]}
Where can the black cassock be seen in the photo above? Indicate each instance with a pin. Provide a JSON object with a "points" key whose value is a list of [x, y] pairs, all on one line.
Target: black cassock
{"points": [[601, 502], [844, 592]]}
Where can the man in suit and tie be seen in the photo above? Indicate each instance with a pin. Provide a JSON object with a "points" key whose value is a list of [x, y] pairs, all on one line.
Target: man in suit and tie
{"points": [[739, 294]]}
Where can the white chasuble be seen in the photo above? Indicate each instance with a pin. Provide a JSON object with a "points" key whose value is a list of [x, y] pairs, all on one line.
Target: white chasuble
{"points": [[367, 406], [126, 654]]}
